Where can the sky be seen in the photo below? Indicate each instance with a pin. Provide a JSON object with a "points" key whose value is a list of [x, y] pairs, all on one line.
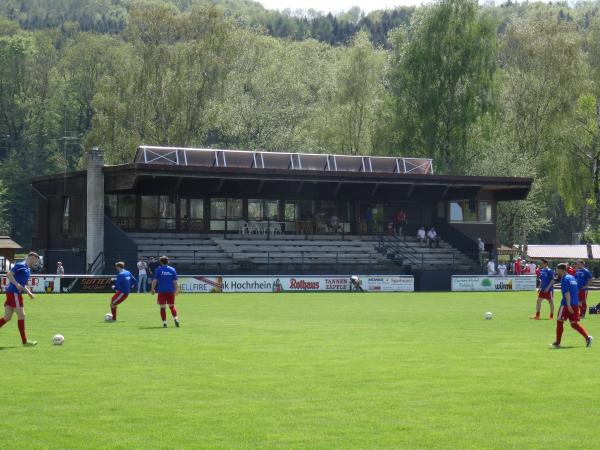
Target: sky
{"points": [[337, 5]]}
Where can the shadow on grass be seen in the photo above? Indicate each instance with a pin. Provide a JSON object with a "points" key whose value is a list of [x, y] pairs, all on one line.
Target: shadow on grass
{"points": [[562, 347], [5, 348], [152, 328]]}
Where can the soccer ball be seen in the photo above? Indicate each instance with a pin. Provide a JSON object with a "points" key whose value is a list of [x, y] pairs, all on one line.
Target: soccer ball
{"points": [[58, 339], [108, 317], [488, 315]]}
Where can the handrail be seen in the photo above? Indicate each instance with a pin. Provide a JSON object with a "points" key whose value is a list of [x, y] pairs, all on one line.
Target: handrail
{"points": [[98, 263]]}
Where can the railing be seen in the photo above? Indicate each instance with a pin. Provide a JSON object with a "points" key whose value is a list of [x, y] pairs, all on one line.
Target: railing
{"points": [[97, 265], [397, 250], [178, 156], [192, 261]]}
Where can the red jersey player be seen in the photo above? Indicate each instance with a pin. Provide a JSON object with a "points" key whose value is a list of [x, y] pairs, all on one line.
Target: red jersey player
{"points": [[18, 278], [164, 281]]}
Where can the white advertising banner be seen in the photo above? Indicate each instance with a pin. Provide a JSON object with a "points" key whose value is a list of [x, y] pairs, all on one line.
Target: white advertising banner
{"points": [[389, 283], [493, 283], [214, 283], [38, 284]]}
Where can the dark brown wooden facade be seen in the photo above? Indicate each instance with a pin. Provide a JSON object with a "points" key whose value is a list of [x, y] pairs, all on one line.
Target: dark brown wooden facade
{"points": [[159, 198]]}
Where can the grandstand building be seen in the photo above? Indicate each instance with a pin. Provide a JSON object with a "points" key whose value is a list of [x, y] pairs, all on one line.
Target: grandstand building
{"points": [[232, 211]]}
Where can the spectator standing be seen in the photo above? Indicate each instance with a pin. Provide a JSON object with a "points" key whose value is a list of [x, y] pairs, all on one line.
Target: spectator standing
{"points": [[481, 248], [152, 266], [142, 275], [518, 266], [532, 268], [494, 253], [502, 269], [334, 224], [399, 223], [60, 269], [491, 267], [432, 237], [421, 236]]}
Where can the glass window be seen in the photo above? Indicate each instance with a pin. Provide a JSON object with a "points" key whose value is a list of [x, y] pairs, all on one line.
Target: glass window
{"points": [[197, 208], [234, 208], [110, 205], [290, 211], [149, 212], [166, 213], [470, 211], [272, 209], [183, 211], [255, 209], [456, 212], [217, 208], [126, 206], [485, 212], [65, 215]]}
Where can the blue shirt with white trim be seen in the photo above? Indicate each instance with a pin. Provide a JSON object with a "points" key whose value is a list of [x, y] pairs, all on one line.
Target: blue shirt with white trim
{"points": [[583, 276], [569, 284], [124, 281], [164, 276], [21, 273]]}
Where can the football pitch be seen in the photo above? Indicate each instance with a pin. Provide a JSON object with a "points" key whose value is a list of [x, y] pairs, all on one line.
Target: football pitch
{"points": [[319, 370]]}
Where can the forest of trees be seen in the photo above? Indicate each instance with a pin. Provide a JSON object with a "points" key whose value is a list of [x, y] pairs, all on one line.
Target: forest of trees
{"points": [[511, 89]]}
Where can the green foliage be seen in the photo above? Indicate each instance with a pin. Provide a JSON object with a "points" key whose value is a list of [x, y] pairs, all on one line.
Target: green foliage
{"points": [[511, 89], [442, 79]]}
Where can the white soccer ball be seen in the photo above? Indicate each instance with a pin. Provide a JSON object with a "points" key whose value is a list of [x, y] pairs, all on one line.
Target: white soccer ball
{"points": [[108, 317], [488, 315], [58, 339]]}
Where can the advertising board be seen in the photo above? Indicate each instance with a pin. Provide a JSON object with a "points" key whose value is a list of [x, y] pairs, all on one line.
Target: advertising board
{"points": [[493, 283], [38, 284], [287, 283]]}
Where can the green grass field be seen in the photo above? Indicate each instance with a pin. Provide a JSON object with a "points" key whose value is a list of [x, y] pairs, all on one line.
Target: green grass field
{"points": [[421, 370]]}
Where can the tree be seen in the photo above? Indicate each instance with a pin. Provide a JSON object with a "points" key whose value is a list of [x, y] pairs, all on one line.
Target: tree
{"points": [[442, 79], [359, 85]]}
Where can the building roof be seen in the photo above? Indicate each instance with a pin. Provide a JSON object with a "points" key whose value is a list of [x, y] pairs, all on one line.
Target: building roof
{"points": [[244, 159], [231, 172], [566, 252], [7, 243], [595, 251]]}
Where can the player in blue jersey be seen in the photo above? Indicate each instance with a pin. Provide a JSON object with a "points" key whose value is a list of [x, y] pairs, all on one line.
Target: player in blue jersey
{"points": [[546, 291], [18, 278], [164, 281], [569, 306], [584, 279], [123, 284]]}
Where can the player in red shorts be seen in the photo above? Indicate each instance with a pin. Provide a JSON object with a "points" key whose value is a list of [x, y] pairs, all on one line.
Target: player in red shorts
{"points": [[18, 278], [546, 291], [569, 307], [164, 282], [123, 285], [584, 279]]}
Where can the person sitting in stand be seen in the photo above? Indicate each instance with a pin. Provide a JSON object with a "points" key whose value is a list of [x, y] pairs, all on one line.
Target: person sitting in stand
{"points": [[60, 269], [432, 238], [421, 236], [334, 224]]}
